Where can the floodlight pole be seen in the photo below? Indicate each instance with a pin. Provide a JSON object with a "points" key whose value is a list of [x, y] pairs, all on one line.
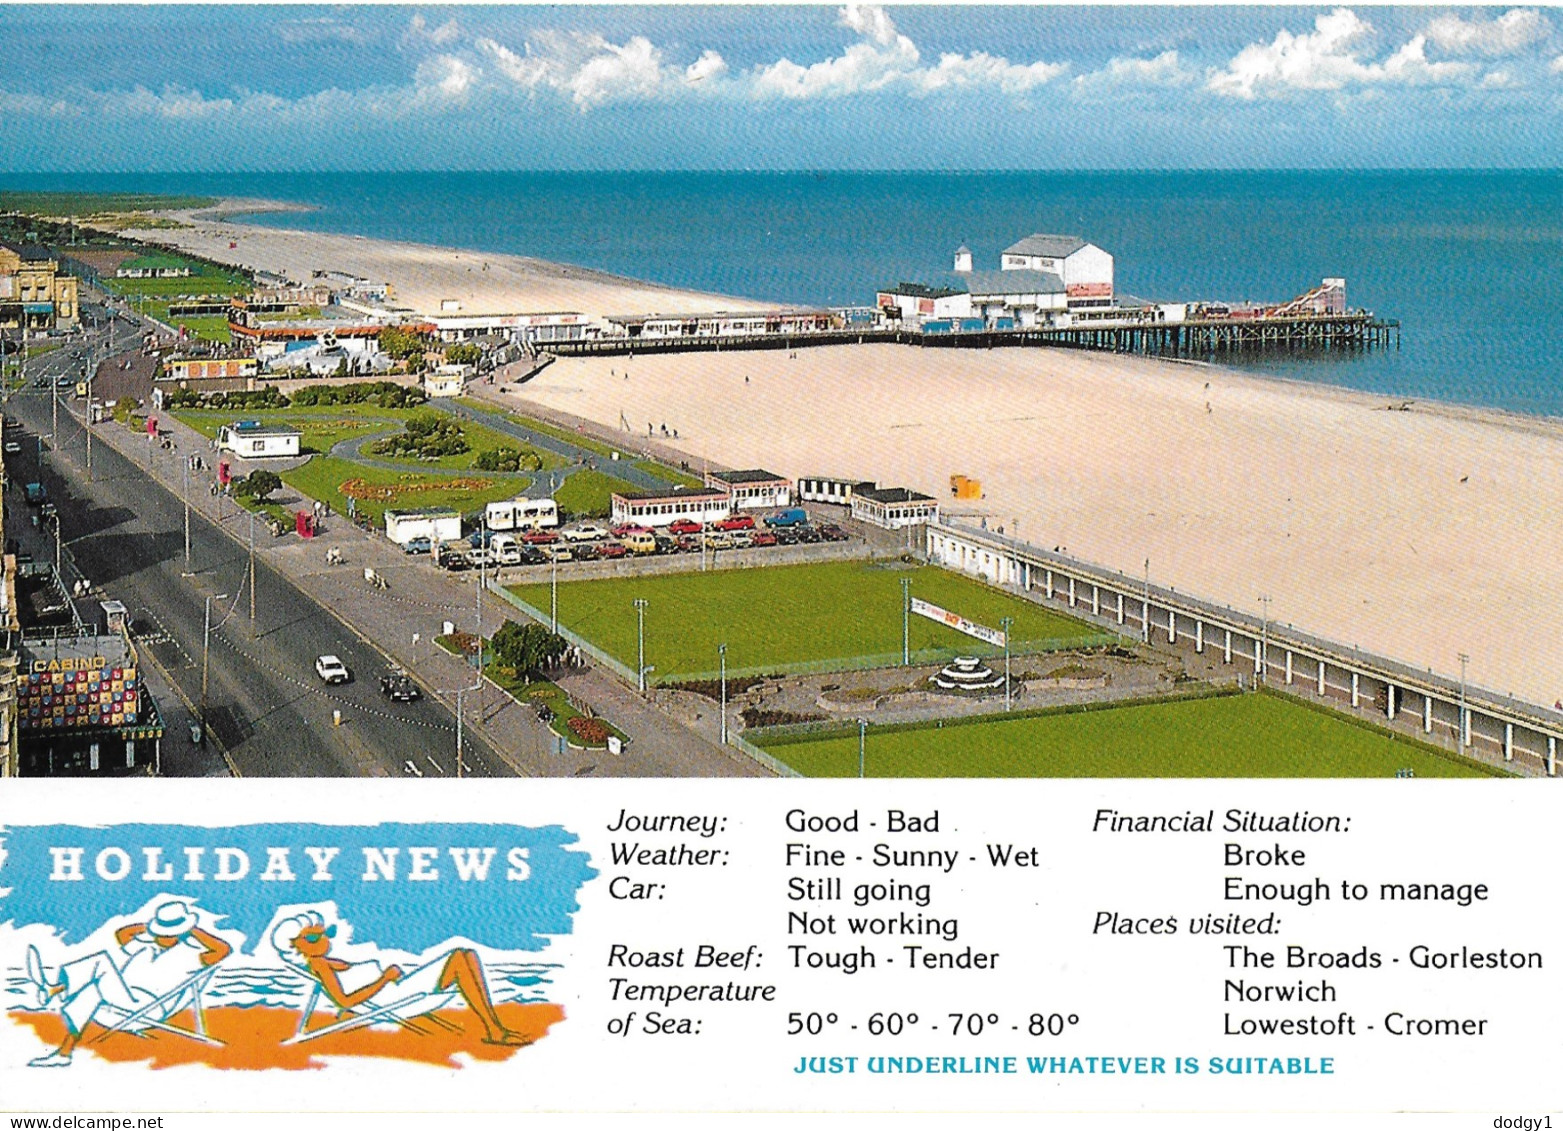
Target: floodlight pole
{"points": [[721, 652], [906, 622], [640, 644], [1008, 698]]}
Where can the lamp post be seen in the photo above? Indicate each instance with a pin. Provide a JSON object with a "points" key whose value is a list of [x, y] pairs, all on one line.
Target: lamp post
{"points": [[640, 644], [253, 632], [721, 652], [206, 650], [88, 429], [906, 621], [1264, 640], [553, 592], [186, 491], [1465, 716], [1008, 697]]}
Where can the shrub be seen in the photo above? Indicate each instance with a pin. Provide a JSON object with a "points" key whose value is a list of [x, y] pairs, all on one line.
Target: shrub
{"points": [[592, 732]]}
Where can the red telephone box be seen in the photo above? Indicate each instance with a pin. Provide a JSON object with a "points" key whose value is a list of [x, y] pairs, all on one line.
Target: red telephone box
{"points": [[304, 524]]}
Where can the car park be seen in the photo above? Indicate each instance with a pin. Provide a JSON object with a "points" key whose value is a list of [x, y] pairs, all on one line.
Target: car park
{"points": [[684, 526], [418, 546], [332, 670], [399, 688]]}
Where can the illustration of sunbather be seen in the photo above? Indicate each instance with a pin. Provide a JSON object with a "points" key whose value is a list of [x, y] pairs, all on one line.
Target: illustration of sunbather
{"points": [[160, 970], [365, 994]]}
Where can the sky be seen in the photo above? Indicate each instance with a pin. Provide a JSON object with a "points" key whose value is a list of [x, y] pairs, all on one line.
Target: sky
{"points": [[191, 88]]}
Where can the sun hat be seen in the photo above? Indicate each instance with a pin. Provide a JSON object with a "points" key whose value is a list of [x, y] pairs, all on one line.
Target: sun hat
{"points": [[171, 920]]}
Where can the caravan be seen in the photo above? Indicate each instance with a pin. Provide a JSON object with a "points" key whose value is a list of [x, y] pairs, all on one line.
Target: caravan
{"points": [[521, 513]]}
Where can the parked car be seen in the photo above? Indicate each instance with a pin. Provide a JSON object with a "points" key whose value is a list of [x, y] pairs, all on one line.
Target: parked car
{"points": [[454, 560], [644, 542], [587, 553], [418, 546], [612, 550], [539, 537], [332, 670], [688, 544], [763, 538], [560, 554], [481, 559], [786, 537], [684, 526], [399, 688], [832, 533], [624, 528], [586, 532], [718, 540], [793, 516], [531, 555], [809, 534], [36, 494], [735, 522], [741, 539]]}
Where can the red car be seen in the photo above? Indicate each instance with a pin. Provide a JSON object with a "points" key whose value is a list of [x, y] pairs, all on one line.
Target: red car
{"points": [[613, 550], [684, 526], [763, 538], [624, 528], [688, 544], [539, 537], [736, 522]]}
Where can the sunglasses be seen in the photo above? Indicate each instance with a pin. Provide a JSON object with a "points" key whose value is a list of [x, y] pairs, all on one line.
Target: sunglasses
{"points": [[315, 934]]}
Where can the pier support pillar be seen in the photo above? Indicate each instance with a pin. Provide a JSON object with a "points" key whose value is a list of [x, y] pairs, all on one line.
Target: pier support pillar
{"points": [[1145, 621], [1552, 756], [1226, 647], [1427, 714], [1258, 662], [1049, 584], [1025, 576], [1465, 726], [1288, 667], [1096, 600], [1321, 679], [1071, 592], [1389, 700], [1120, 608], [1508, 742], [1356, 689], [1199, 636], [1172, 626]]}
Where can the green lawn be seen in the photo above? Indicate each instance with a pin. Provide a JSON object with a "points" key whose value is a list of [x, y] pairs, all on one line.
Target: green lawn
{"points": [[1262, 736], [785, 615], [209, 328], [323, 477], [325, 426], [588, 492], [84, 204]]}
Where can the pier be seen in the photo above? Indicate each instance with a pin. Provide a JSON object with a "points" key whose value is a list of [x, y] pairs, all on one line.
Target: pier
{"points": [[1194, 338]]}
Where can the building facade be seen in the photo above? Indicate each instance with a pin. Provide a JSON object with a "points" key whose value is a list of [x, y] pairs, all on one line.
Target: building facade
{"points": [[34, 295]]}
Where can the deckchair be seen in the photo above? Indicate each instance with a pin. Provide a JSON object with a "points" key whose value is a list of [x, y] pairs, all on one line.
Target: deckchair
{"points": [[405, 1011], [157, 1013]]}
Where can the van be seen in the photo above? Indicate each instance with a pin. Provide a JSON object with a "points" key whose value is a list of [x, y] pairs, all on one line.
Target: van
{"points": [[505, 548], [640, 542]]}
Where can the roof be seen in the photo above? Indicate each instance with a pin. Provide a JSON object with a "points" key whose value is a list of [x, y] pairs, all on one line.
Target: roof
{"points": [[29, 252], [893, 495], [921, 290], [686, 493], [1013, 283], [147, 261], [256, 428], [753, 475], [424, 512], [1056, 247]]}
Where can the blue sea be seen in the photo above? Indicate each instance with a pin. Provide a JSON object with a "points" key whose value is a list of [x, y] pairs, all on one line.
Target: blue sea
{"points": [[1470, 263]]}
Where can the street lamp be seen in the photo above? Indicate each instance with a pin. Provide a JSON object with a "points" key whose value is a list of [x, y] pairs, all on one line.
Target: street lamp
{"points": [[640, 643], [721, 652], [1008, 697], [206, 649], [186, 490], [553, 591], [253, 632], [1465, 715]]}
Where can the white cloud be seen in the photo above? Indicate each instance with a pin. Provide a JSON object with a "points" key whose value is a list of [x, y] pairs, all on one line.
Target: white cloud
{"points": [[709, 67], [444, 76], [1331, 57], [1166, 69], [321, 30], [419, 32], [1509, 34], [175, 102], [594, 71], [883, 58], [1557, 66]]}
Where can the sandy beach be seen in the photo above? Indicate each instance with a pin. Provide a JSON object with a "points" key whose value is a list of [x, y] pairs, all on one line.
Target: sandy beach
{"points": [[1415, 534], [425, 278]]}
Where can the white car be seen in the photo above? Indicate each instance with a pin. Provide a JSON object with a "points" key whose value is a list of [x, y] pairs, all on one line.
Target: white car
{"points": [[586, 532], [332, 670]]}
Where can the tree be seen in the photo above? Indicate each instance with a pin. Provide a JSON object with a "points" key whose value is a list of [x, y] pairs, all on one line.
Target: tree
{"points": [[528, 648], [259, 483]]}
